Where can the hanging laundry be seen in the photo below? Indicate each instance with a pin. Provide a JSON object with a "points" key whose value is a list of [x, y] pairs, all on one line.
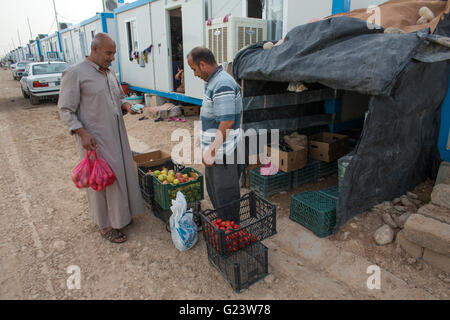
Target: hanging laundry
{"points": [[145, 56]]}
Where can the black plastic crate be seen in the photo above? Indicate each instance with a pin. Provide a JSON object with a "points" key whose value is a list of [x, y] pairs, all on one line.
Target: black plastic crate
{"points": [[255, 217], [146, 180], [242, 268]]}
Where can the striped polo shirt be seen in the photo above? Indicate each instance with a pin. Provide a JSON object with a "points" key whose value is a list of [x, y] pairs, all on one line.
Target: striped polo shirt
{"points": [[222, 102]]}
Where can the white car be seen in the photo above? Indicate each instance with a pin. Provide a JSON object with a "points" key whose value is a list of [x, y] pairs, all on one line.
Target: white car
{"points": [[19, 69], [42, 79]]}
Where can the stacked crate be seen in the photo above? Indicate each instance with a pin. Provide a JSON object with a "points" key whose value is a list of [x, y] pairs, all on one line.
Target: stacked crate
{"points": [[238, 252]]}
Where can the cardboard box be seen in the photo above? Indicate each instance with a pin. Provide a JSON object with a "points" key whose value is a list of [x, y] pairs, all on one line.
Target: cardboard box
{"points": [[290, 161], [150, 159], [191, 111], [328, 146], [296, 140]]}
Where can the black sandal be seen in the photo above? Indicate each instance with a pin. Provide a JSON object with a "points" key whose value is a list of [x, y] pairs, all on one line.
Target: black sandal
{"points": [[112, 236]]}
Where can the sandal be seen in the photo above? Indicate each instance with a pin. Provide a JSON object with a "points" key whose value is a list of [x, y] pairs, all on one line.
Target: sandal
{"points": [[112, 236]]}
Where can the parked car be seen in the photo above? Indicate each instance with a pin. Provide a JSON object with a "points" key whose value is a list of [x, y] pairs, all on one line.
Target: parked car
{"points": [[42, 79], [19, 69]]}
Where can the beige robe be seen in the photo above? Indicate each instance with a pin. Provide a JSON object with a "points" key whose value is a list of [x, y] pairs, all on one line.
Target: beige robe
{"points": [[93, 100]]}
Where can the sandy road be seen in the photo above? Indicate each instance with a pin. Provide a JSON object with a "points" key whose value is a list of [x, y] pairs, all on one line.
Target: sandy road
{"points": [[47, 228]]}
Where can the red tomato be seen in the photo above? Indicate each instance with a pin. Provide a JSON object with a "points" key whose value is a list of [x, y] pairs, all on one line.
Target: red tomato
{"points": [[232, 223], [236, 226], [218, 221]]}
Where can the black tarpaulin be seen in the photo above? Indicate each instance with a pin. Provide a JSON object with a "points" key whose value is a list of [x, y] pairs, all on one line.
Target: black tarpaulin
{"points": [[406, 76]]}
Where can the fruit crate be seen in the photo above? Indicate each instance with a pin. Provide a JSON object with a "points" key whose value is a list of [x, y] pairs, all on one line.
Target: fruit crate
{"points": [[332, 192], [307, 174], [315, 211], [269, 185], [255, 217], [165, 193], [326, 169], [242, 268], [146, 179]]}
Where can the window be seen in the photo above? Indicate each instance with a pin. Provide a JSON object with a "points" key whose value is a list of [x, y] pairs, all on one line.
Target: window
{"points": [[92, 34], [132, 38], [49, 68], [254, 8], [274, 16]]}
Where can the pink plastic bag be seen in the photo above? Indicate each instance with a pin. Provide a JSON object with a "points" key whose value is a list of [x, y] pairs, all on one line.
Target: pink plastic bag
{"points": [[82, 172], [101, 176]]}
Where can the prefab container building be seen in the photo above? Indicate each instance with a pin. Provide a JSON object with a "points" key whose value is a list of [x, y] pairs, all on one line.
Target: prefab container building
{"points": [[51, 47], [76, 40], [35, 49], [154, 36], [153, 39]]}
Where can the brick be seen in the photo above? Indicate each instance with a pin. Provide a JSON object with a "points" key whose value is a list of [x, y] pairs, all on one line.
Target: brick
{"points": [[441, 195], [444, 174], [410, 247], [437, 260], [435, 212], [428, 233]]}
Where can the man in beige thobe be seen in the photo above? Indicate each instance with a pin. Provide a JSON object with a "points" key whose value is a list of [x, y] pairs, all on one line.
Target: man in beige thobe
{"points": [[92, 104]]}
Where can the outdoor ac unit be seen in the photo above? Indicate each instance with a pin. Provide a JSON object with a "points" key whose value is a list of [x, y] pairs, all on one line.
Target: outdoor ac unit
{"points": [[110, 5], [226, 36]]}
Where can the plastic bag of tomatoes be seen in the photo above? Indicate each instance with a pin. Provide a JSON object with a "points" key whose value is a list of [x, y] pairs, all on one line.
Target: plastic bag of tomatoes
{"points": [[82, 172]]}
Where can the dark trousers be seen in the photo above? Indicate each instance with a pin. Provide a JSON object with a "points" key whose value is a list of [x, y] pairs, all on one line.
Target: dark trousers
{"points": [[222, 184]]}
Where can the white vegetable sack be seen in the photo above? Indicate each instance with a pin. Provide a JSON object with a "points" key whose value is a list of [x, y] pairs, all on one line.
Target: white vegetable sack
{"points": [[182, 225]]}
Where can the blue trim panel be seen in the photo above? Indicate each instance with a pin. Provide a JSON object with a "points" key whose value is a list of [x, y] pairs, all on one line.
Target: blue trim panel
{"points": [[444, 134], [39, 48], [132, 5], [104, 23], [169, 95], [340, 6]]}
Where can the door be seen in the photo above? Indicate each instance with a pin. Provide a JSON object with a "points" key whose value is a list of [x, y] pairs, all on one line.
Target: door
{"points": [[193, 15], [160, 31]]}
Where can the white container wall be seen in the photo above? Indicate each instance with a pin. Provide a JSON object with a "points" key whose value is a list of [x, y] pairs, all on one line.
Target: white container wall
{"points": [[135, 23], [67, 44], [157, 24]]}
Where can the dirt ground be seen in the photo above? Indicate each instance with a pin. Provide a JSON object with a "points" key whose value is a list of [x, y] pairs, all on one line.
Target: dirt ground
{"points": [[47, 228]]}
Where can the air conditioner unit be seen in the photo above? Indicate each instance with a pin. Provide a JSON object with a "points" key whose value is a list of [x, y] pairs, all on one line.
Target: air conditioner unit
{"points": [[110, 5], [226, 36]]}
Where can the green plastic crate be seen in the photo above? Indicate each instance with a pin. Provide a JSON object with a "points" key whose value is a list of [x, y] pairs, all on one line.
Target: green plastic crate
{"points": [[332, 192], [165, 193], [307, 174], [267, 186], [314, 211]]}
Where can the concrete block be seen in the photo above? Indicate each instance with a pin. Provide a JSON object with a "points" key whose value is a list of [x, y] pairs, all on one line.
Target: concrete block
{"points": [[437, 260], [444, 174], [428, 233], [439, 213], [410, 247], [441, 195]]}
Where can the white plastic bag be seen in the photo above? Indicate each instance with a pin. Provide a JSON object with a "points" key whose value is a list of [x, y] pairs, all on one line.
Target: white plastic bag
{"points": [[182, 225]]}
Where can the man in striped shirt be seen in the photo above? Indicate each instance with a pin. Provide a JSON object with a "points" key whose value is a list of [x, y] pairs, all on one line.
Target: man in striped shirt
{"points": [[220, 118]]}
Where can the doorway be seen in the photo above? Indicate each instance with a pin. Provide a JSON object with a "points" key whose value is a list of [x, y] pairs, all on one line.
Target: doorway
{"points": [[177, 54]]}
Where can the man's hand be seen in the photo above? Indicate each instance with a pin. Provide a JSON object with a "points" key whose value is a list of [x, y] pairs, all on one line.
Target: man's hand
{"points": [[127, 108], [209, 157], [87, 140]]}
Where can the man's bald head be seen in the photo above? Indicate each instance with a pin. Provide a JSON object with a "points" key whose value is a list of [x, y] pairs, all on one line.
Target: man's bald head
{"points": [[103, 49], [101, 39]]}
